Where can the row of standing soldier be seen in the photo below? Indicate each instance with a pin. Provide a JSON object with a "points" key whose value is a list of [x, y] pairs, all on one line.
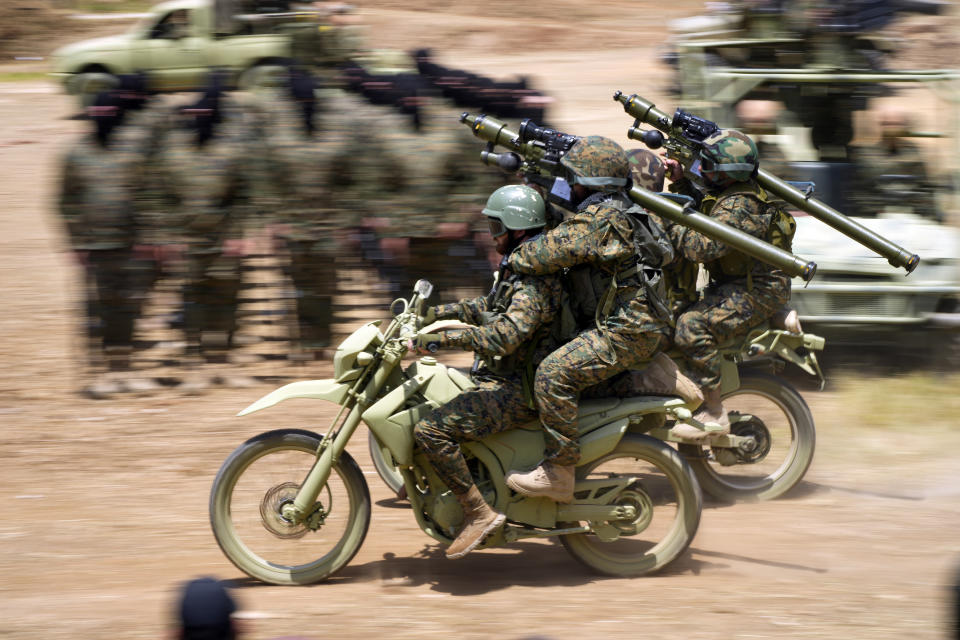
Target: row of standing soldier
{"points": [[320, 168]]}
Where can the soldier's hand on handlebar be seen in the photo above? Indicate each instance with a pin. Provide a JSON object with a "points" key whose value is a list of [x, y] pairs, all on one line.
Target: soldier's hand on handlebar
{"points": [[425, 342]]}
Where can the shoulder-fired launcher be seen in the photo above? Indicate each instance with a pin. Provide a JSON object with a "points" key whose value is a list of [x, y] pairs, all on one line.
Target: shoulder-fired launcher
{"points": [[531, 158], [683, 145]]}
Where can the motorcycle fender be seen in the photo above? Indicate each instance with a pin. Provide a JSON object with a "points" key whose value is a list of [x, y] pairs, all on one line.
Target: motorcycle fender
{"points": [[394, 429], [330, 390], [602, 441]]}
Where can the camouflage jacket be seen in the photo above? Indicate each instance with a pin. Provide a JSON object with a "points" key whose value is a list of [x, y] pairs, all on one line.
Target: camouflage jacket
{"points": [[441, 177], [311, 182], [875, 190], [101, 186], [744, 212], [519, 313], [210, 187], [592, 246]]}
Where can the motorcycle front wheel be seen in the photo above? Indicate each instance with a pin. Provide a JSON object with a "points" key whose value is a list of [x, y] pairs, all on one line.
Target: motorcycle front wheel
{"points": [[246, 510], [667, 502], [770, 410]]}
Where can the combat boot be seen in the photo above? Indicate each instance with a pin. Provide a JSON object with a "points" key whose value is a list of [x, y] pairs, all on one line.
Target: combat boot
{"points": [[546, 481], [663, 377], [479, 521], [196, 378], [711, 414], [104, 386], [110, 382]]}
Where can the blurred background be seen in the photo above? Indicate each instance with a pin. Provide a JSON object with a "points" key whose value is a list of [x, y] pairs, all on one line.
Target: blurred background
{"points": [[278, 172]]}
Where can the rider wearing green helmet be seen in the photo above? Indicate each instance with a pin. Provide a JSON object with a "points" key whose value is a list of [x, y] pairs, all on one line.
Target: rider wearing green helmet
{"points": [[611, 252], [510, 335], [742, 292]]}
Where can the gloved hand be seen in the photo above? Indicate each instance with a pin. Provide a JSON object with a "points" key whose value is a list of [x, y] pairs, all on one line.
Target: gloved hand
{"points": [[426, 342]]}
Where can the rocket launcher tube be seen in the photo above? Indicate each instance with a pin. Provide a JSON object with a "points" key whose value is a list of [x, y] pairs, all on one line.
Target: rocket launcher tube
{"points": [[496, 132], [645, 111], [895, 255], [753, 247]]}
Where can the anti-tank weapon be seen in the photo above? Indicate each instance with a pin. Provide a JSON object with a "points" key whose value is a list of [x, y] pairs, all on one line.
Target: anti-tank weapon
{"points": [[686, 133], [535, 153]]}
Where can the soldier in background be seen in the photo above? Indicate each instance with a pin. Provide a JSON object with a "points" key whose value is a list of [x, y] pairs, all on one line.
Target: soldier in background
{"points": [[758, 118], [430, 220], [101, 177], [315, 171], [204, 166], [892, 172]]}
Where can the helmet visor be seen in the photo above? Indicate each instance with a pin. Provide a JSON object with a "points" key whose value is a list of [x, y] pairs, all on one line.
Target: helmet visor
{"points": [[496, 227]]}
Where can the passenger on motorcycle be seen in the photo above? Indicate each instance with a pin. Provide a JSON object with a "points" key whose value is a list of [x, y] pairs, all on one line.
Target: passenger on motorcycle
{"points": [[611, 253], [511, 334], [742, 292]]}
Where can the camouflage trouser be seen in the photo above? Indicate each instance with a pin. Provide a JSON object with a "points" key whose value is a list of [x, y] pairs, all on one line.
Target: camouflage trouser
{"points": [[584, 362], [210, 301], [725, 312], [117, 286], [314, 275], [495, 406]]}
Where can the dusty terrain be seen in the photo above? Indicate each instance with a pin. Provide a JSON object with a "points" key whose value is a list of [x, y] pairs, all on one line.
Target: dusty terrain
{"points": [[105, 503]]}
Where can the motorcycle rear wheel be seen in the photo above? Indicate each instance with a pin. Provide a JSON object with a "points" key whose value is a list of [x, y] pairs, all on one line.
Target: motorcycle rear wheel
{"points": [[668, 502], [254, 483], [783, 420]]}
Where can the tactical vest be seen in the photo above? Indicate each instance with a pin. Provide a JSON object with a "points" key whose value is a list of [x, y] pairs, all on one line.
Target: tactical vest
{"points": [[520, 361], [782, 227], [591, 293]]}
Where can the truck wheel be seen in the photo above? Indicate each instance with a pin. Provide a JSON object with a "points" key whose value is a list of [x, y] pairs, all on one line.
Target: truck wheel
{"points": [[88, 83]]}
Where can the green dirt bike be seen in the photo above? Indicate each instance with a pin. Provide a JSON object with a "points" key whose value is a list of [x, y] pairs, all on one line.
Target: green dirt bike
{"points": [[292, 507], [772, 436]]}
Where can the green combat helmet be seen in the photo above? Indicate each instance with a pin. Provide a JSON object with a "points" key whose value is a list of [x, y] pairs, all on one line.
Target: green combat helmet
{"points": [[515, 207], [598, 163], [728, 156]]}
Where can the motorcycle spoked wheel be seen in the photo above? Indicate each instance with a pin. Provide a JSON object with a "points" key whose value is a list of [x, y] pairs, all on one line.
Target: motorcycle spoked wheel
{"points": [[783, 426], [253, 484], [668, 503]]}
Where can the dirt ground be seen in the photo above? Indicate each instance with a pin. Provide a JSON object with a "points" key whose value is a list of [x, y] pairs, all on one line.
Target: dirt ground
{"points": [[105, 503]]}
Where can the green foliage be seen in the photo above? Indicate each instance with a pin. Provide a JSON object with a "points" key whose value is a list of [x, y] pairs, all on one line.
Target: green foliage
{"points": [[106, 6], [23, 76], [898, 402]]}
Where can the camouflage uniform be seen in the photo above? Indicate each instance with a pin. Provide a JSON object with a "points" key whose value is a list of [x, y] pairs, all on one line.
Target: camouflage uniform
{"points": [[441, 186], [875, 190], [209, 186], [99, 194], [511, 336], [313, 176], [597, 243], [742, 292], [646, 169]]}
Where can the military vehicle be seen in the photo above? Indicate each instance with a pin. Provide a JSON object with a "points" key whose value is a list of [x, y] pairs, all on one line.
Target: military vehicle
{"points": [[179, 41], [827, 65]]}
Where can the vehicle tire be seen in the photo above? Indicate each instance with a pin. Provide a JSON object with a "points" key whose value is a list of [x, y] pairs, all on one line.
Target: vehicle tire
{"points": [[387, 472], [668, 500], [786, 435], [248, 77], [90, 82], [256, 480]]}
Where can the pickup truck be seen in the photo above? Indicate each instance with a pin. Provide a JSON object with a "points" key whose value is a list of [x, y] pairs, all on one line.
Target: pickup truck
{"points": [[179, 41]]}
